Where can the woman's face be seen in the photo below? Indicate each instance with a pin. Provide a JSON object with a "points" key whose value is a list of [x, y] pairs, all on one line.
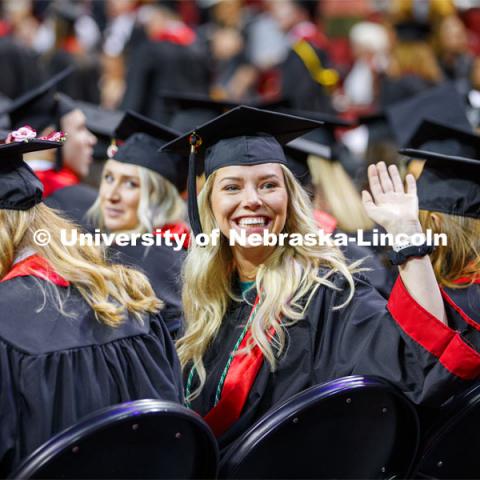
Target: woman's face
{"points": [[250, 199], [119, 196]]}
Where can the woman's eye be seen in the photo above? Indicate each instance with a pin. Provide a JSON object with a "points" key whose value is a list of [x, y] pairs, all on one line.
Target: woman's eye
{"points": [[268, 185], [108, 178], [231, 188], [131, 184]]}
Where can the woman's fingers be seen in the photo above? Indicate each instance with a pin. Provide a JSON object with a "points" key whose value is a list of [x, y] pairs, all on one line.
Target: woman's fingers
{"points": [[374, 182], [396, 180], [385, 180], [411, 184]]}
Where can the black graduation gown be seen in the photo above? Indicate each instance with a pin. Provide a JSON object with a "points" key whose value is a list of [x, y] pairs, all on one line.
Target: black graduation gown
{"points": [[162, 66], [55, 370], [468, 299], [162, 265], [73, 202], [299, 88], [377, 275], [403, 344], [21, 70]]}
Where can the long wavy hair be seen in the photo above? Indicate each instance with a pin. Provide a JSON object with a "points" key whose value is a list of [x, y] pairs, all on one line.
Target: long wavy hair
{"points": [[461, 256], [112, 291], [289, 276], [336, 191], [160, 204]]}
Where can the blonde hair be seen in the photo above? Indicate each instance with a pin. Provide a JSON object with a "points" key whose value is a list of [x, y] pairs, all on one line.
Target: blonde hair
{"points": [[287, 277], [415, 57], [160, 203], [111, 291], [461, 256], [339, 195]]}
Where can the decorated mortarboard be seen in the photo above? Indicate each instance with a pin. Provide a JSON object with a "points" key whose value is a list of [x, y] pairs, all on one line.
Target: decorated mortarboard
{"points": [[144, 137], [442, 104], [450, 180], [243, 136], [37, 107], [20, 189]]}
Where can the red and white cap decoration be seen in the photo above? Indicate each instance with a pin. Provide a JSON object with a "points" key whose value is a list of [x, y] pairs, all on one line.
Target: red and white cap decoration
{"points": [[26, 133]]}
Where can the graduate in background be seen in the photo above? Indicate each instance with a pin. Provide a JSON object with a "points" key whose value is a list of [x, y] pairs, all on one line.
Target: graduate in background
{"points": [[76, 334], [449, 200], [266, 322], [61, 173], [140, 193]]}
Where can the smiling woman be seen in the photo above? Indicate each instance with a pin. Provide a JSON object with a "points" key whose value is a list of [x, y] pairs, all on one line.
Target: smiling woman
{"points": [[308, 317], [140, 194], [251, 200]]}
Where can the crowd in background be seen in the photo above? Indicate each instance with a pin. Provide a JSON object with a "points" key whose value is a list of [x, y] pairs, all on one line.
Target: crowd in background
{"points": [[367, 54]]}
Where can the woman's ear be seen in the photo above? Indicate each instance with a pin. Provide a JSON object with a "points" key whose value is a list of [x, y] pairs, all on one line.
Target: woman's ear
{"points": [[437, 220]]}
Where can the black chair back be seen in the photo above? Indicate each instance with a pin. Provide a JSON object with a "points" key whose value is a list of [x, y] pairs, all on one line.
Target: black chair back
{"points": [[353, 427], [452, 449], [140, 439]]}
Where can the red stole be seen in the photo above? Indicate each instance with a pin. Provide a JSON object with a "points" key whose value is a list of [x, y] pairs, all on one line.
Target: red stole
{"points": [[179, 34], [467, 280], [175, 228], [239, 381], [36, 266], [325, 221], [53, 180]]}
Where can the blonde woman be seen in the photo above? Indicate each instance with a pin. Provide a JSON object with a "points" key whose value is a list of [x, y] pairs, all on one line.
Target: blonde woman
{"points": [[76, 334], [449, 200], [264, 322], [140, 194]]}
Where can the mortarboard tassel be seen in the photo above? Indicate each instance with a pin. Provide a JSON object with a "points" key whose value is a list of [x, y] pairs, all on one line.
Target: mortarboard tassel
{"points": [[193, 213]]}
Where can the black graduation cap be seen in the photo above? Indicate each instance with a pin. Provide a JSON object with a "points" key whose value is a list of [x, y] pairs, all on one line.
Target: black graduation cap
{"points": [[144, 137], [436, 137], [441, 104], [37, 107], [450, 180], [132, 122], [243, 136], [320, 141], [412, 31], [101, 122], [195, 109], [20, 189]]}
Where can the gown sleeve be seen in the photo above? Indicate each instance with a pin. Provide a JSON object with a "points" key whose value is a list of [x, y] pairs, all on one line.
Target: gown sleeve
{"points": [[398, 341]]}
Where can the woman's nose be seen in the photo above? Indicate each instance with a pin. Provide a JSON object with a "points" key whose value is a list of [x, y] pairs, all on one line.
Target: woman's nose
{"points": [[113, 193], [251, 198]]}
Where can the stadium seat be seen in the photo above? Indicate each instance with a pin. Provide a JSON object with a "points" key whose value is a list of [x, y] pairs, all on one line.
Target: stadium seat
{"points": [[353, 427], [452, 447], [140, 439]]}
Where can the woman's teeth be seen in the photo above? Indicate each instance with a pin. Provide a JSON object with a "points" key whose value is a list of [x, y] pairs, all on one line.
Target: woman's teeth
{"points": [[257, 221]]}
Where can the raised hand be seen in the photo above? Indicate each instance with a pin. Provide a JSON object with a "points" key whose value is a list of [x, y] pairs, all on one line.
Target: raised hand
{"points": [[388, 204]]}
